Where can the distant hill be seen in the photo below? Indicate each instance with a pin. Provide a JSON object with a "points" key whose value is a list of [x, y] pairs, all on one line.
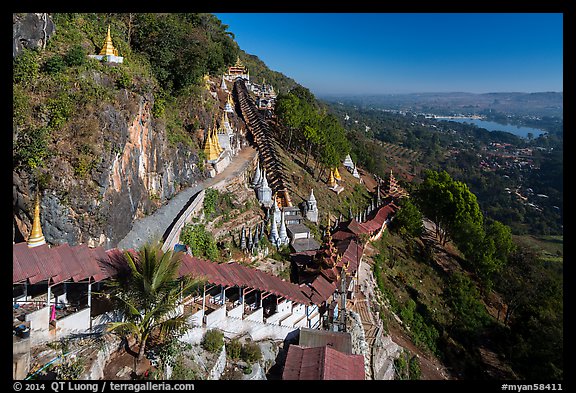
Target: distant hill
{"points": [[518, 104]]}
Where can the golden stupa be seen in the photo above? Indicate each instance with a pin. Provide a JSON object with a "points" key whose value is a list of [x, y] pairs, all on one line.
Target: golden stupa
{"points": [[108, 49], [36, 237], [331, 180], [212, 148], [337, 174]]}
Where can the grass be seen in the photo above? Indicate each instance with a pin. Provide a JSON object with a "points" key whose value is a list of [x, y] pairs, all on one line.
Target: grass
{"points": [[550, 248], [404, 278]]}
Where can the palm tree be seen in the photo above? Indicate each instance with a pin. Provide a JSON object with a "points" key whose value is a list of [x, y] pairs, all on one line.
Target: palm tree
{"points": [[148, 293]]}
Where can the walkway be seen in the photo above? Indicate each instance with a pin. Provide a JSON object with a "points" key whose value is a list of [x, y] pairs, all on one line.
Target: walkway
{"points": [[154, 225]]}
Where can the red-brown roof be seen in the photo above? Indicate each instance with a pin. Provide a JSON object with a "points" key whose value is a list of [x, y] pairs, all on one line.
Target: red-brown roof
{"points": [[59, 263], [314, 338], [231, 274], [351, 252], [373, 224], [322, 363]]}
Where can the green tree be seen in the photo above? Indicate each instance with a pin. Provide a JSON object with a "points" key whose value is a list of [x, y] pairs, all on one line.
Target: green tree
{"points": [[449, 204], [147, 294], [463, 297], [408, 220]]}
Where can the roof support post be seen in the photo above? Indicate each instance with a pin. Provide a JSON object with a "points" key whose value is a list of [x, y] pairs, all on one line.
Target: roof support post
{"points": [[48, 304], [203, 302], [89, 302]]}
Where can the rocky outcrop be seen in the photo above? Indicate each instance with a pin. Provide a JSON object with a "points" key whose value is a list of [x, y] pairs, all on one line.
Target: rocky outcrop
{"points": [[136, 171], [30, 31]]}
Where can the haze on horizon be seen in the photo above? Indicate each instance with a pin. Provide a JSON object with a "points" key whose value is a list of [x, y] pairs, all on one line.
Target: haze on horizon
{"points": [[382, 53]]}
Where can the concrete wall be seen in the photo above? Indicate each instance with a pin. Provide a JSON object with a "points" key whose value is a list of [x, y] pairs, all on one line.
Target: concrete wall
{"points": [[99, 322], [96, 370], [20, 357], [39, 320], [223, 163], [292, 320], [219, 366], [77, 322], [197, 318], [299, 309], [215, 316], [173, 237], [275, 319], [284, 306], [257, 315], [237, 311]]}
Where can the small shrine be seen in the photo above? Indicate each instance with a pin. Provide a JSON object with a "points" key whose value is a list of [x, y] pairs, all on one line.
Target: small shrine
{"points": [[108, 52]]}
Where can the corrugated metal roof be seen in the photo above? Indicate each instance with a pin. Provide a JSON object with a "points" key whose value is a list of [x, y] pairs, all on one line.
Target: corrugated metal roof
{"points": [[231, 274], [313, 338], [351, 252], [322, 363], [59, 263]]}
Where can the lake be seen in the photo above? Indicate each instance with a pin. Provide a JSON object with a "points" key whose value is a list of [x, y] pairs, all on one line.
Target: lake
{"points": [[492, 126]]}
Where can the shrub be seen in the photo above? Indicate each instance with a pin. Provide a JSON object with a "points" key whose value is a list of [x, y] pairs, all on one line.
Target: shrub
{"points": [[210, 198], [25, 67], [200, 241], [31, 147], [123, 80], [234, 349], [251, 352], [54, 64], [21, 107], [213, 340], [76, 56], [59, 109], [414, 368]]}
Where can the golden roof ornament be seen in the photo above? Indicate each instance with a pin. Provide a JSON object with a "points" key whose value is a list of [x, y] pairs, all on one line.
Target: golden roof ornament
{"points": [[108, 49], [36, 237]]}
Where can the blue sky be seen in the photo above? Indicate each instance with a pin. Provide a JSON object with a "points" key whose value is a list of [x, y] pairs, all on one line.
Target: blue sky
{"points": [[354, 53]]}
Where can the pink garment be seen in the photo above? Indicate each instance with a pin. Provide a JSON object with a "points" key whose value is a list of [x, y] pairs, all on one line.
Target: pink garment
{"points": [[53, 314]]}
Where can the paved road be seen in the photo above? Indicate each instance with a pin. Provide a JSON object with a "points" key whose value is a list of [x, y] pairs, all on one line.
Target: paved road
{"points": [[154, 225]]}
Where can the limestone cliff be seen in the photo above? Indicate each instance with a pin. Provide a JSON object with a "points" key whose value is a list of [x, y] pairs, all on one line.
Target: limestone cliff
{"points": [[138, 169], [109, 161], [31, 31]]}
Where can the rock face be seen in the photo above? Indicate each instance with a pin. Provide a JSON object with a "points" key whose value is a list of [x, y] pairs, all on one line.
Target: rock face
{"points": [[30, 31], [137, 170]]}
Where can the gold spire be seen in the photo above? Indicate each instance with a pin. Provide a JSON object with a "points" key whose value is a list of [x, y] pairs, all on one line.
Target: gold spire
{"points": [[210, 148], [216, 141], [238, 62], [36, 237], [108, 49], [337, 174], [331, 180], [222, 129], [230, 100]]}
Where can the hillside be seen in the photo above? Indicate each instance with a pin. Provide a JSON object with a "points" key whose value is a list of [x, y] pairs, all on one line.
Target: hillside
{"points": [[109, 143]]}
